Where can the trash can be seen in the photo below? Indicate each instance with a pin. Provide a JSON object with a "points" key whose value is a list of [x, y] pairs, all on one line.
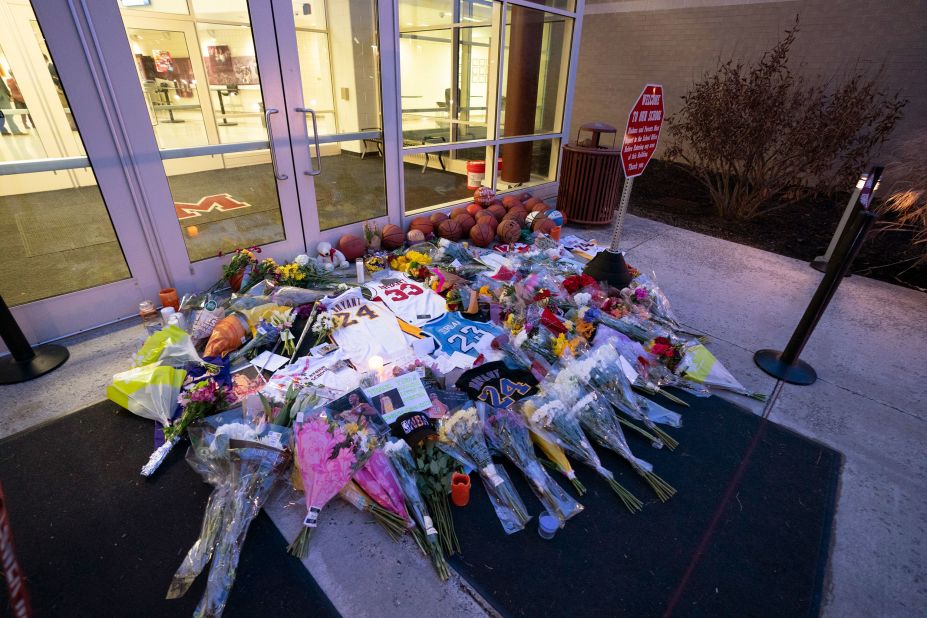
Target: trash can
{"points": [[590, 176]]}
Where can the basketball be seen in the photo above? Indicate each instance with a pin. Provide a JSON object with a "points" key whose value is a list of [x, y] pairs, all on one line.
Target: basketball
{"points": [[484, 196], [510, 202], [539, 206], [508, 231], [437, 218], [393, 236], [352, 246], [485, 218], [498, 210], [466, 222], [544, 226], [531, 201], [474, 208], [415, 236], [449, 229], [524, 197], [538, 219], [518, 216], [459, 211], [557, 217], [423, 225], [481, 235]]}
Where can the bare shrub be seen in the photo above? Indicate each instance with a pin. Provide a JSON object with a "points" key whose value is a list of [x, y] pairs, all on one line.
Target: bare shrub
{"points": [[906, 206], [760, 136]]}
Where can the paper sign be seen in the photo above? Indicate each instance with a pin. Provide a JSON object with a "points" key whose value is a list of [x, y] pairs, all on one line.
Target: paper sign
{"points": [[395, 397], [269, 361]]}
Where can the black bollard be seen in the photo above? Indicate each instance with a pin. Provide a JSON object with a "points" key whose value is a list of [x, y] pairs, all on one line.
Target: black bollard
{"points": [[786, 365], [25, 362]]}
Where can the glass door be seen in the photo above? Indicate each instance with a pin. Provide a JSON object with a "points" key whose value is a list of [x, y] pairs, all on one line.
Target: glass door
{"points": [[331, 58], [74, 251]]}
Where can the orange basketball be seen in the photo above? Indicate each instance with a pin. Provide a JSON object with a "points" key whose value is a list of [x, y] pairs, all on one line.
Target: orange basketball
{"points": [[437, 218], [474, 209], [509, 231], [510, 202], [498, 210], [524, 197], [415, 236], [539, 206], [531, 201], [450, 229], [481, 235], [518, 216], [536, 219], [466, 222], [487, 219], [393, 236], [544, 226], [352, 246], [484, 196], [423, 225], [459, 211]]}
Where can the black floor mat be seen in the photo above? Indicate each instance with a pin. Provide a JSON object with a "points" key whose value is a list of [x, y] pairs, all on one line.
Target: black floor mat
{"points": [[94, 538], [763, 553]]}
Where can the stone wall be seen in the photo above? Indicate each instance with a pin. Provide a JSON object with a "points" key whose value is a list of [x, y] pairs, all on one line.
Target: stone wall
{"points": [[627, 43]]}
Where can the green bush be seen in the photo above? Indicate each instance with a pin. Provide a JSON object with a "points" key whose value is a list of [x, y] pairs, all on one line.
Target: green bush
{"points": [[760, 136]]}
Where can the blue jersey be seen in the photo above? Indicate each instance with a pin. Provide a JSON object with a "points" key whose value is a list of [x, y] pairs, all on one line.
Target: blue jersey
{"points": [[455, 333]]}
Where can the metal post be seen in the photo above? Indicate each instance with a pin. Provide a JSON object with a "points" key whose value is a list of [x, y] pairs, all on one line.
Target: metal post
{"points": [[622, 210], [820, 263], [786, 365], [25, 363]]}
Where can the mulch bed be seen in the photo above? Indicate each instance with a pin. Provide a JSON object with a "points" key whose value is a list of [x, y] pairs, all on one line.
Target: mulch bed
{"points": [[802, 230]]}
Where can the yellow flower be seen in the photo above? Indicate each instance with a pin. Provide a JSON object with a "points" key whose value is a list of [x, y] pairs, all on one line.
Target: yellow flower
{"points": [[351, 428], [559, 344]]}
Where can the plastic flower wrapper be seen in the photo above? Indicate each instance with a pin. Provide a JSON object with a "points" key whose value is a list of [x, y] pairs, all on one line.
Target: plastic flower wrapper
{"points": [[465, 430], [551, 419], [632, 326], [602, 369], [200, 399], [600, 422], [242, 461], [557, 458], [378, 479], [265, 335], [151, 392], [403, 463], [394, 525], [651, 374], [700, 365], [329, 450], [507, 433], [434, 469]]}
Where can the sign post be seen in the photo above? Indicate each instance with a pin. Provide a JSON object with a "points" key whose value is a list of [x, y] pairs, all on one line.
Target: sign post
{"points": [[641, 135]]}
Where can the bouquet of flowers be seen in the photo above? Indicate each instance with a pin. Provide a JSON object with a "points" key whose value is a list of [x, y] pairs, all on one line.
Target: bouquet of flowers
{"points": [[634, 327], [199, 400], [464, 429], [329, 451], [600, 422], [242, 461], [435, 468], [556, 458], [400, 457], [508, 433], [551, 419], [394, 525], [378, 480]]}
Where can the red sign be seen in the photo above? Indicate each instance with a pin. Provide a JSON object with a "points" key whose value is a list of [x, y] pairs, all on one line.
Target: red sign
{"points": [[222, 202], [643, 131]]}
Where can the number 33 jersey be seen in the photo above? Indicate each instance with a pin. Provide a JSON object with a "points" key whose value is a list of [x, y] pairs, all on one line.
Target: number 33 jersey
{"points": [[455, 333], [364, 329], [413, 302]]}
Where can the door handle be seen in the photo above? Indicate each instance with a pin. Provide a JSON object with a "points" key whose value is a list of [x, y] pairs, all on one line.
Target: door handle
{"points": [[270, 140], [315, 138]]}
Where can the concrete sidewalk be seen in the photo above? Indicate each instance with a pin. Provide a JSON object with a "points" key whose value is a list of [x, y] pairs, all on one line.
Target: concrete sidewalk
{"points": [[870, 403]]}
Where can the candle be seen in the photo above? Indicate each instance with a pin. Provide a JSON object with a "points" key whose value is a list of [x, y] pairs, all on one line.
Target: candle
{"points": [[359, 262]]}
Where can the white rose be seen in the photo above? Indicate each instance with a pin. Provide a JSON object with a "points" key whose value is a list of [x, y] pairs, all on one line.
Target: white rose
{"points": [[302, 259]]}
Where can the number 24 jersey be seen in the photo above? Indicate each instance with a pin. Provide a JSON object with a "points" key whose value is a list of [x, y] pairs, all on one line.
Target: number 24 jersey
{"points": [[364, 329]]}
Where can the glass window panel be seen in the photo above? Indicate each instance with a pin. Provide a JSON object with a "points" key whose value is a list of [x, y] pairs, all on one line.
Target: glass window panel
{"points": [[439, 178], [537, 49], [527, 163], [440, 103], [203, 87], [340, 72], [564, 5], [165, 70], [431, 13], [309, 14], [55, 229], [156, 6]]}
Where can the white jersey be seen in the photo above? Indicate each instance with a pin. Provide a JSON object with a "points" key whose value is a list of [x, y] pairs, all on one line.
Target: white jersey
{"points": [[364, 329], [411, 301]]}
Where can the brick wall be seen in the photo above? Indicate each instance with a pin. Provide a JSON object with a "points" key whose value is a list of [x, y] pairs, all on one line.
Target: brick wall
{"points": [[627, 43]]}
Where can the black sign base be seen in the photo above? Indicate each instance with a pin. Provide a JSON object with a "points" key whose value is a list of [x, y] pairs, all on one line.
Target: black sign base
{"points": [[47, 358], [609, 266], [771, 362], [821, 266]]}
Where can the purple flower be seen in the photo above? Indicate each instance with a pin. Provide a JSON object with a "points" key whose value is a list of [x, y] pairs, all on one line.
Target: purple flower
{"points": [[640, 294]]}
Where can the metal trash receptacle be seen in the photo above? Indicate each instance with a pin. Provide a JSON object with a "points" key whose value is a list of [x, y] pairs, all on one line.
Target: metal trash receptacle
{"points": [[590, 177]]}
